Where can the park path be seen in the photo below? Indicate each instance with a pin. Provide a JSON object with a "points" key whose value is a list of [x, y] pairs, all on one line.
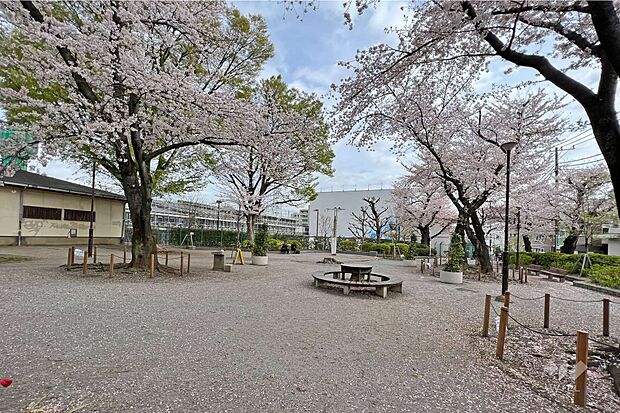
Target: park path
{"points": [[260, 339]]}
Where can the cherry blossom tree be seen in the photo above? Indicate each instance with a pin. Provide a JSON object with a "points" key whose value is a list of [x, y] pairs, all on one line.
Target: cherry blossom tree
{"points": [[422, 204], [295, 148], [560, 41], [140, 88], [452, 131]]}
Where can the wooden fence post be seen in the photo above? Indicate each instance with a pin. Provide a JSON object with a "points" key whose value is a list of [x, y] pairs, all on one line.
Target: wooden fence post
{"points": [[606, 317], [124, 254], [581, 368], [485, 317], [507, 299], [479, 272], [422, 265], [166, 258], [111, 265], [152, 265], [189, 256], [94, 255], [72, 255], [69, 258], [546, 315], [501, 336], [181, 268], [85, 263]]}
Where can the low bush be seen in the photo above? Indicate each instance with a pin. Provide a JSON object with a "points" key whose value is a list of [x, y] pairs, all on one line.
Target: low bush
{"points": [[607, 276], [260, 242], [348, 245], [274, 244], [402, 248], [456, 255], [373, 246]]}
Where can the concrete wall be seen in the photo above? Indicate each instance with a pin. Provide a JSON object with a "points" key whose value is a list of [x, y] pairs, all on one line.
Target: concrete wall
{"points": [[108, 226]]}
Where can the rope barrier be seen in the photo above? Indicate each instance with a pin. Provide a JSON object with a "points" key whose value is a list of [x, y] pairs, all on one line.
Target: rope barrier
{"points": [[526, 299], [540, 332], [494, 310], [601, 342], [576, 301]]}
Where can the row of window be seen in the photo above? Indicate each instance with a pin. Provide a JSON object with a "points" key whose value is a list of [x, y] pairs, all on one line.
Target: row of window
{"points": [[35, 212]]}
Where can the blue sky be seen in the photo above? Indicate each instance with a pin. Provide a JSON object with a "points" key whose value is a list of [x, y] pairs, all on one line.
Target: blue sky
{"points": [[308, 48]]}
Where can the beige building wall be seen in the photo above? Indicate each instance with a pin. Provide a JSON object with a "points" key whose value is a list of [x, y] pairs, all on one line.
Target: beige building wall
{"points": [[108, 226], [9, 211]]}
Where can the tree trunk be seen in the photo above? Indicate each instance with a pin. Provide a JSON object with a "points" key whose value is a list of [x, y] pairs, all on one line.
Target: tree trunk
{"points": [[143, 242], [527, 243], [481, 250], [425, 234], [250, 221], [570, 242]]}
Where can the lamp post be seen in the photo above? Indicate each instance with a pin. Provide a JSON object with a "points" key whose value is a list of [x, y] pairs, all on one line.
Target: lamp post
{"points": [[219, 203], [517, 260], [91, 219], [335, 229], [506, 147], [316, 236]]}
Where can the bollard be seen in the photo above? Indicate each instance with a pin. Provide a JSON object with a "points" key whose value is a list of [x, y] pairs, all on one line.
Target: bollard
{"points": [[501, 335], [94, 255], [69, 258], [507, 299], [433, 270], [111, 265], [189, 256], [85, 263], [124, 254], [166, 258], [581, 368], [422, 265], [485, 317], [181, 263], [606, 317], [546, 315], [152, 265]]}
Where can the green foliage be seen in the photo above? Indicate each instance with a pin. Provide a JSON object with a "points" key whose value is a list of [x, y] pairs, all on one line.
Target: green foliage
{"points": [[402, 248], [348, 245], [296, 243], [524, 259], [607, 276], [260, 242], [274, 244], [382, 248], [456, 255]]}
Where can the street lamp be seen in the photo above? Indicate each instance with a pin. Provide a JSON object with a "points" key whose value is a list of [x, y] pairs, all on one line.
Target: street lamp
{"points": [[219, 203], [506, 147], [316, 237]]}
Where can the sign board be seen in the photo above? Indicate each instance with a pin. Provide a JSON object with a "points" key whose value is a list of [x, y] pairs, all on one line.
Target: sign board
{"points": [[79, 252]]}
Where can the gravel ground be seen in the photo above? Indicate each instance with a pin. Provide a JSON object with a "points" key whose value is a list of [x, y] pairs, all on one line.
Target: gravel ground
{"points": [[263, 339]]}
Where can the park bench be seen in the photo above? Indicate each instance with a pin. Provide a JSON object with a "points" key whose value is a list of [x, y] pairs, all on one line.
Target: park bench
{"points": [[333, 278], [534, 269], [555, 272]]}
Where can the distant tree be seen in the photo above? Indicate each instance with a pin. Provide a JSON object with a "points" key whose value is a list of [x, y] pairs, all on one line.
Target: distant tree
{"points": [[294, 150], [359, 224], [377, 216]]}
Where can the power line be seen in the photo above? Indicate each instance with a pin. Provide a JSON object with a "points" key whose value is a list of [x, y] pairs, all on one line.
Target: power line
{"points": [[581, 159]]}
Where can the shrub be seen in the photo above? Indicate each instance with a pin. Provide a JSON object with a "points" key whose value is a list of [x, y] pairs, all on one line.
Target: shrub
{"points": [[260, 242], [348, 245], [403, 248], [524, 259], [373, 246], [296, 243], [456, 255], [410, 254], [607, 276], [274, 244]]}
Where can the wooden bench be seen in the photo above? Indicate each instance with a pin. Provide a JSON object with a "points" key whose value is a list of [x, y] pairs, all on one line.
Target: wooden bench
{"points": [[534, 269], [555, 272], [381, 287]]}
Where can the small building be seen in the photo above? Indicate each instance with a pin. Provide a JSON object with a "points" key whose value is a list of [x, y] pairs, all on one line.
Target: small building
{"points": [[40, 210]]}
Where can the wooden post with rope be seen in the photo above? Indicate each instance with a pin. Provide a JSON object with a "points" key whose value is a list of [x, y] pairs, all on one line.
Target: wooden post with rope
{"points": [[189, 257], [581, 369], [546, 314], [485, 317], [94, 255], [152, 272], [181, 267], [507, 299], [85, 263], [501, 336], [111, 265], [606, 317]]}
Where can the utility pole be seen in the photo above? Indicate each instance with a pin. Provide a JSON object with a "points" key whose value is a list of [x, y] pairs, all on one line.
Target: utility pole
{"points": [[556, 233], [91, 229], [334, 232], [518, 261]]}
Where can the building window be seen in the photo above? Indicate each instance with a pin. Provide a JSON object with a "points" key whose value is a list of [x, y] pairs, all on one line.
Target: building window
{"points": [[35, 212], [77, 215]]}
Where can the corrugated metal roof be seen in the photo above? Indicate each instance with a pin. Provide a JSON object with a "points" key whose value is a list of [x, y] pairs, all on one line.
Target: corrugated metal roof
{"points": [[27, 179]]}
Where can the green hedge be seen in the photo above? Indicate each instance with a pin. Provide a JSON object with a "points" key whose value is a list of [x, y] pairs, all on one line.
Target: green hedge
{"points": [[608, 276], [382, 248], [605, 268], [348, 245]]}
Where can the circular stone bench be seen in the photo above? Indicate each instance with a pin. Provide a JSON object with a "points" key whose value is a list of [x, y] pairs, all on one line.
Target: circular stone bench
{"points": [[381, 283]]}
